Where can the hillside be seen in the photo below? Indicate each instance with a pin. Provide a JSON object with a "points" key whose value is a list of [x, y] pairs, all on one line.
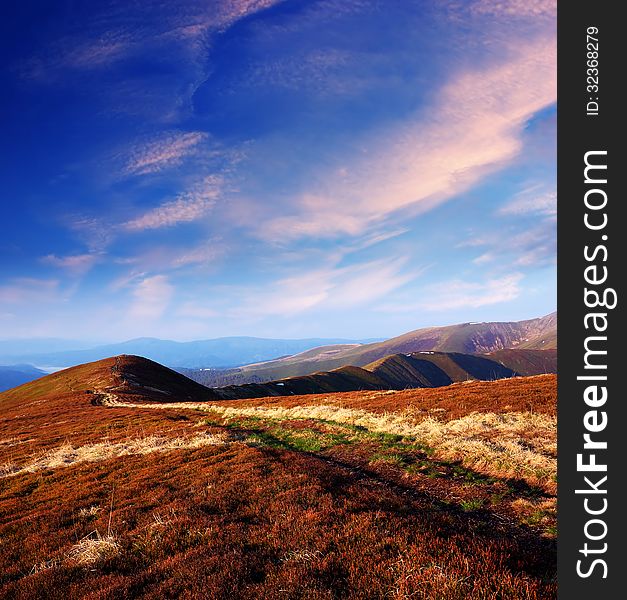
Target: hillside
{"points": [[527, 362], [444, 492], [126, 376], [467, 338]]}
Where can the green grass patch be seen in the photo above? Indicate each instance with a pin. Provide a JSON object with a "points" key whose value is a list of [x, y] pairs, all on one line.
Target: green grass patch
{"points": [[471, 505], [397, 459]]}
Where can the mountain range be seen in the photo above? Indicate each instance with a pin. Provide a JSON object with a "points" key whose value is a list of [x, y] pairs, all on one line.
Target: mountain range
{"points": [[466, 338], [138, 377], [524, 347], [218, 352]]}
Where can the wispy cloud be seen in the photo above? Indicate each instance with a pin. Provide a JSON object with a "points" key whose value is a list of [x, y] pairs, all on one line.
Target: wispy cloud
{"points": [[474, 127], [29, 290], [204, 254], [458, 294], [167, 151], [96, 233], [151, 297], [331, 287], [535, 247], [535, 200], [517, 8], [76, 264], [532, 246], [188, 207]]}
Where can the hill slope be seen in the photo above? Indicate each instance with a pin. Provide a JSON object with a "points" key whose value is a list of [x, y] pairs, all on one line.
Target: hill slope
{"points": [[527, 362], [130, 377]]}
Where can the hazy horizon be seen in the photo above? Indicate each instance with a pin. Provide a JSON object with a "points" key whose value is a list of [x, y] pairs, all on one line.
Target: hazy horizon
{"points": [[276, 169]]}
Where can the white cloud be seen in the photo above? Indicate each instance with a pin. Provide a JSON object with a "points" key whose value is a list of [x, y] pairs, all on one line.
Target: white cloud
{"points": [[456, 293], [330, 287], [534, 246], [151, 297], [532, 201], [188, 207]]}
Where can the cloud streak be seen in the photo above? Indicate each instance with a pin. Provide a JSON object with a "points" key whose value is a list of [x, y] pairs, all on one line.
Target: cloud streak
{"points": [[473, 128], [330, 287], [76, 264], [167, 151], [456, 294], [151, 298], [187, 208], [532, 201]]}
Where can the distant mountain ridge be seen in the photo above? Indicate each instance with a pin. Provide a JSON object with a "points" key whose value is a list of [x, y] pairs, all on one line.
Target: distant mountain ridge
{"points": [[218, 352], [466, 338], [14, 375]]}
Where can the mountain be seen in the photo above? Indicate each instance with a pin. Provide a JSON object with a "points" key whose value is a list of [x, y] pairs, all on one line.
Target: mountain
{"points": [[14, 375], [219, 352], [466, 338]]}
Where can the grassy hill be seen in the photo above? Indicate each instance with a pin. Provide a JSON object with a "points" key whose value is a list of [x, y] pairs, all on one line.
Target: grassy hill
{"points": [[111, 489]]}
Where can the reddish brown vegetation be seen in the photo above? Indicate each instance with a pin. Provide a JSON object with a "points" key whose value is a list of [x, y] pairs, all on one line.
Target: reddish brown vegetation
{"points": [[236, 521], [530, 394]]}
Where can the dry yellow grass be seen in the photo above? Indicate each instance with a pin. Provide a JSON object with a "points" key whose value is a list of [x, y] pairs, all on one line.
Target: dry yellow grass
{"points": [[94, 548], [68, 455], [505, 445], [515, 444]]}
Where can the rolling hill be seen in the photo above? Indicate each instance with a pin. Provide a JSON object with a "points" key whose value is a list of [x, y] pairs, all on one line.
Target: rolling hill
{"points": [[467, 338]]}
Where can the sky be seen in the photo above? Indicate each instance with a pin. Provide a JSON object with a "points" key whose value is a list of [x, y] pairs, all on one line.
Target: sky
{"points": [[275, 168]]}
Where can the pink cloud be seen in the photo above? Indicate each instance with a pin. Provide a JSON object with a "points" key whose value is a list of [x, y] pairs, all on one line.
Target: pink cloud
{"points": [[188, 207], [27, 289], [473, 128], [77, 264], [167, 151]]}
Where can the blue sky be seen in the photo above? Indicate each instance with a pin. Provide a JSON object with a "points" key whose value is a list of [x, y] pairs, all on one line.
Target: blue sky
{"points": [[351, 168]]}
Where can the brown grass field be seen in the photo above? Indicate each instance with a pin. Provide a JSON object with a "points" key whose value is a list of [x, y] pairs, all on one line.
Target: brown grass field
{"points": [[114, 492]]}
